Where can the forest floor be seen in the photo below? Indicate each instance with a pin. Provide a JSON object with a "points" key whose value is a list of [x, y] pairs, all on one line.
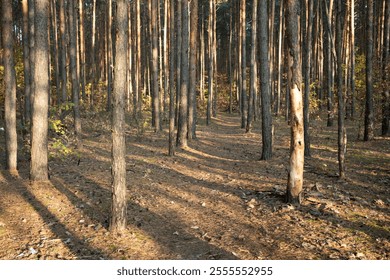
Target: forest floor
{"points": [[214, 200]]}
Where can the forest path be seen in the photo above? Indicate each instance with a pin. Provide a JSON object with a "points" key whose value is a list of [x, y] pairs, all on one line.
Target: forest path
{"points": [[214, 200]]}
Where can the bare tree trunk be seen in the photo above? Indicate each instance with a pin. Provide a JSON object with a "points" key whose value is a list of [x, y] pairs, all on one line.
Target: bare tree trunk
{"points": [[55, 50], [156, 118], [253, 88], [119, 202], [109, 53], [210, 64], [244, 101], [385, 71], [193, 68], [11, 138], [39, 149], [307, 64], [369, 111], [31, 22], [352, 75], [264, 85], [74, 74], [280, 61], [137, 89], [295, 175], [93, 55], [172, 102], [342, 135], [182, 128], [231, 84], [26, 62], [82, 49], [63, 52]]}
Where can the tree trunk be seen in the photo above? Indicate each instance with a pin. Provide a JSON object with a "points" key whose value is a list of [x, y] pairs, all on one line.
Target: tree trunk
{"points": [[295, 176], [307, 65], [244, 101], [93, 55], [171, 149], [63, 52], [253, 88], [109, 53], [11, 143], [342, 136], [182, 128], [264, 84], [352, 74], [210, 64], [156, 118], [385, 71], [39, 149], [26, 62], [193, 64], [82, 49], [31, 22], [74, 74], [369, 111], [119, 203]]}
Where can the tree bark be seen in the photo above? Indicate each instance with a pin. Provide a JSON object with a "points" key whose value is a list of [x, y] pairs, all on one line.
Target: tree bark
{"points": [[342, 135], [26, 62], [193, 68], [74, 74], [119, 203], [63, 53], [39, 132], [171, 148], [264, 84], [385, 71], [182, 128], [11, 140], [369, 110], [244, 98], [253, 79], [295, 176]]}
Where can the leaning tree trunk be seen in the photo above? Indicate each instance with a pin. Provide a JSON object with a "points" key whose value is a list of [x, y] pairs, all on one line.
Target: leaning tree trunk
{"points": [[119, 205], [264, 85], [295, 176], [11, 143], [39, 131]]}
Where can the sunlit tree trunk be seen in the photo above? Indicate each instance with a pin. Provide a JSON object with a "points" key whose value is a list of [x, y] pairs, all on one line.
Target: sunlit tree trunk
{"points": [[118, 161], [109, 53], [295, 175], [39, 132], [26, 62]]}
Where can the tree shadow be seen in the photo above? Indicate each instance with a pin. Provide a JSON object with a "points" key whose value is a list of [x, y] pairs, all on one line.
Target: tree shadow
{"points": [[75, 245]]}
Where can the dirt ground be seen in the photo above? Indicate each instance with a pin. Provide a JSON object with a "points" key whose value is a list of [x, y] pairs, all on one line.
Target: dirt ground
{"points": [[214, 200]]}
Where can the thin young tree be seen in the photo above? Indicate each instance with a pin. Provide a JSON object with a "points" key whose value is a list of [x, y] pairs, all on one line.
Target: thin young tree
{"points": [[295, 175], [11, 143], [264, 84], [39, 131], [118, 161]]}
